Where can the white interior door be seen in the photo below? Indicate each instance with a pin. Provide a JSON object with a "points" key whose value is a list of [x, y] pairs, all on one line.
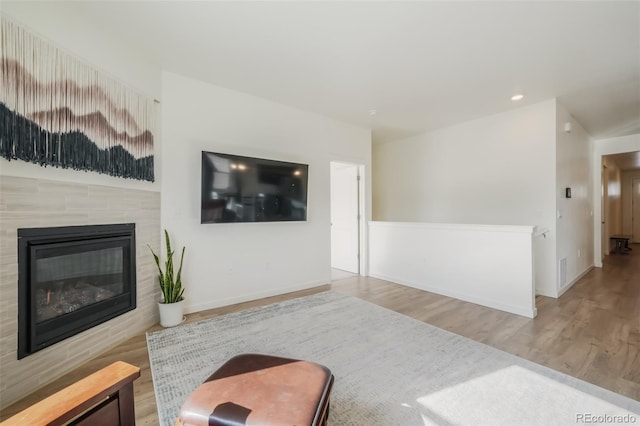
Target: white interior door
{"points": [[345, 217], [635, 211]]}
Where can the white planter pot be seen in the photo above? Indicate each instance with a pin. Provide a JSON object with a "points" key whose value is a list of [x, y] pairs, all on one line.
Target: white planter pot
{"points": [[171, 314]]}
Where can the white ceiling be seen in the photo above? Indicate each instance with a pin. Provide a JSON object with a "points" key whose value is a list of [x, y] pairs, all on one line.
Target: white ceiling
{"points": [[421, 65]]}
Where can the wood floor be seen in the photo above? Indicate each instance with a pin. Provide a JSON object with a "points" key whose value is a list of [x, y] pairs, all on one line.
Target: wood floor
{"points": [[592, 332]]}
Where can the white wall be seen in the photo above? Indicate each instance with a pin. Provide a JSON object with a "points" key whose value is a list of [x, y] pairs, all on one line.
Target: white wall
{"points": [[601, 148], [574, 223], [121, 59], [228, 263], [498, 170], [483, 264]]}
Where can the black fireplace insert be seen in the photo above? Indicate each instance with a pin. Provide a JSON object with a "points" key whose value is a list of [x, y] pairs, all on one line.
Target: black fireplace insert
{"points": [[72, 278]]}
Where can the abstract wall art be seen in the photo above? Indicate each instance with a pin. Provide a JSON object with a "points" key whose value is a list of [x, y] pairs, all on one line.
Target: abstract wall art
{"points": [[57, 110]]}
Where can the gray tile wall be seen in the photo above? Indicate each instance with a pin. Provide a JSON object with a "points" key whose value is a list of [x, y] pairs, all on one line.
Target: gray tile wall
{"points": [[29, 203]]}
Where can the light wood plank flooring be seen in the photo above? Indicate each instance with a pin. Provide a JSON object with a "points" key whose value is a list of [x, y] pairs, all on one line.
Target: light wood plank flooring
{"points": [[592, 332]]}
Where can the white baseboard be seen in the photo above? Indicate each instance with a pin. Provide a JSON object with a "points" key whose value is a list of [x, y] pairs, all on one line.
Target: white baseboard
{"points": [[544, 292], [191, 308]]}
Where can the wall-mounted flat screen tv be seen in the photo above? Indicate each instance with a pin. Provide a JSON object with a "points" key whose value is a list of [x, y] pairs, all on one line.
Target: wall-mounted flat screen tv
{"points": [[247, 189]]}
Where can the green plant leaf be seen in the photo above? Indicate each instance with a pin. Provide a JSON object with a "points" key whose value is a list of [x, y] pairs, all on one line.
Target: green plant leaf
{"points": [[170, 286]]}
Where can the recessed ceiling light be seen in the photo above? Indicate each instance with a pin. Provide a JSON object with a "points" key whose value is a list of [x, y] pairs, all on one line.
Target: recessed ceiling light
{"points": [[517, 97], [372, 112]]}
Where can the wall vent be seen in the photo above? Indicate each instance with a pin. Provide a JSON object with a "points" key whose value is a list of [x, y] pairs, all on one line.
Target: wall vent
{"points": [[562, 272]]}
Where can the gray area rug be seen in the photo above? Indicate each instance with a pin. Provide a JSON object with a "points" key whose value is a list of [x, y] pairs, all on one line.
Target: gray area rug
{"points": [[389, 369]]}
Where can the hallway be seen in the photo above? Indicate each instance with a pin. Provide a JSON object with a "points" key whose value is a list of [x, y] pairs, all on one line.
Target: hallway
{"points": [[594, 328], [592, 332]]}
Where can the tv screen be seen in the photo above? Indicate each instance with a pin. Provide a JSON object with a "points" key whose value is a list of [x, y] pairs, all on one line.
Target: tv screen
{"points": [[246, 189]]}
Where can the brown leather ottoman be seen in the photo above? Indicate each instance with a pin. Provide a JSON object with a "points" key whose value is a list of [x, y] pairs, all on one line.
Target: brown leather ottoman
{"points": [[253, 389]]}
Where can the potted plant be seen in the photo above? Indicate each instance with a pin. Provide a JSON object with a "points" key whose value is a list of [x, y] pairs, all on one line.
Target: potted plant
{"points": [[171, 310]]}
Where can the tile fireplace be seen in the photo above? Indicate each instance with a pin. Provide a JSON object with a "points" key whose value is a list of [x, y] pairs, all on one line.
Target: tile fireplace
{"points": [[72, 278]]}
